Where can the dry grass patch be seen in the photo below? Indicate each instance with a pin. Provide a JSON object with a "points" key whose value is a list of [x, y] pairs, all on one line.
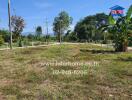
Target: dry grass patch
{"points": [[23, 77]]}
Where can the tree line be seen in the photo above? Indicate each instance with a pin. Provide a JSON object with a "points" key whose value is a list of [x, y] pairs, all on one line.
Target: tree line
{"points": [[93, 28]]}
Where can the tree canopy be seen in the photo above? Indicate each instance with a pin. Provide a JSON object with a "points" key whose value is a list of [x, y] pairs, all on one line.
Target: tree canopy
{"points": [[17, 24], [87, 28], [61, 23], [39, 31]]}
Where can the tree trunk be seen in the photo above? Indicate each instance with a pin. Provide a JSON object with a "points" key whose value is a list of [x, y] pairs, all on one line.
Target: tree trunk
{"points": [[121, 46], [125, 45]]}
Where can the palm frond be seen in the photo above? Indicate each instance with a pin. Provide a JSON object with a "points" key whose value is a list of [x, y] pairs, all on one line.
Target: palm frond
{"points": [[129, 13], [112, 21]]}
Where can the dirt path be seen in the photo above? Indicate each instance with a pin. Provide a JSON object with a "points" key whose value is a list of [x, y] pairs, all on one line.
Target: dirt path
{"points": [[103, 45], [28, 47]]}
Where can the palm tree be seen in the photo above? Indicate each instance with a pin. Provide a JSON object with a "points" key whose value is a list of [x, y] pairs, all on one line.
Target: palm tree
{"points": [[121, 30]]}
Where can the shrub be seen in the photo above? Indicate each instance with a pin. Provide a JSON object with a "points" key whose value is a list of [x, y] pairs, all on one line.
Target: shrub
{"points": [[1, 40], [104, 41], [20, 43], [130, 41], [26, 42]]}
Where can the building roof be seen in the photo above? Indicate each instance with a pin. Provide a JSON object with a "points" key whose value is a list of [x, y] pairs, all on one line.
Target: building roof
{"points": [[117, 7]]}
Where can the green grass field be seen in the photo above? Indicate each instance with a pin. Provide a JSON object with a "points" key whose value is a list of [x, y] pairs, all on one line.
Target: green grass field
{"points": [[22, 76]]}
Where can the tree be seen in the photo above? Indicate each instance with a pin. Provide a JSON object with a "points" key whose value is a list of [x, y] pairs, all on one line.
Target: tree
{"points": [[38, 32], [5, 35], [83, 32], [30, 37], [120, 29], [70, 36], [87, 28], [61, 24], [17, 24]]}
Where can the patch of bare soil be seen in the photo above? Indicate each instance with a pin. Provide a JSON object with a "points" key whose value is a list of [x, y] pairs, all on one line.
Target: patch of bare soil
{"points": [[2, 97]]}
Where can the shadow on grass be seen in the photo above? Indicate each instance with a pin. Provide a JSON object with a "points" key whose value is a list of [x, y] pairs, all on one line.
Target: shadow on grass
{"points": [[29, 51], [128, 59], [98, 51]]}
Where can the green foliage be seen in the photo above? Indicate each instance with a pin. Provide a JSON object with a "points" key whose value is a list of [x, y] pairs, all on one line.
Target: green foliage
{"points": [[44, 38], [87, 28], [31, 37], [85, 32], [33, 77], [111, 20], [26, 42], [120, 30], [61, 23], [129, 13], [38, 32], [1, 40], [70, 36], [20, 43], [5, 34], [130, 41]]}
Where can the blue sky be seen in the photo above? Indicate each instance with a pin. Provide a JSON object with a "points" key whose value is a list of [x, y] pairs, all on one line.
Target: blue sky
{"points": [[35, 12]]}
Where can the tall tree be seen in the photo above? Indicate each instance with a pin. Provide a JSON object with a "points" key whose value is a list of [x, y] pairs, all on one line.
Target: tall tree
{"points": [[38, 32], [86, 28], [120, 29], [61, 24], [17, 24]]}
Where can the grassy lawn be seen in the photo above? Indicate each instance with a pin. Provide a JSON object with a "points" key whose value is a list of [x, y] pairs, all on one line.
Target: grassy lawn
{"points": [[23, 77]]}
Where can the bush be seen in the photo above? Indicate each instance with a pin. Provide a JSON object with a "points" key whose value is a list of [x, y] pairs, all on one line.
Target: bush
{"points": [[26, 42], [20, 43], [5, 34], [104, 41], [1, 40], [130, 41]]}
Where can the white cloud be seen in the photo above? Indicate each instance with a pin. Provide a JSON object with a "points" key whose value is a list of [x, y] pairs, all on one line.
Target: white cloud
{"points": [[72, 27]]}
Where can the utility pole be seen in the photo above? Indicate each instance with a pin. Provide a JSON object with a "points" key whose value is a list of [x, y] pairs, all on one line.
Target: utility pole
{"points": [[47, 31], [9, 16], [60, 32]]}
